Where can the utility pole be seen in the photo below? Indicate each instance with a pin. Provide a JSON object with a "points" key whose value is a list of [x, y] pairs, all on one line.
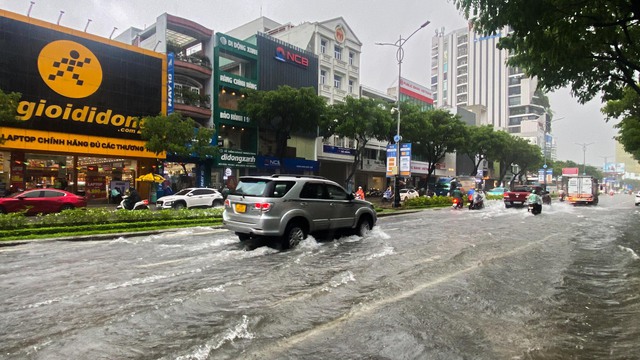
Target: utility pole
{"points": [[584, 154]]}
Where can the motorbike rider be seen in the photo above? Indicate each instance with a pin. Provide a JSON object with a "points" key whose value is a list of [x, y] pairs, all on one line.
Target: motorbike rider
{"points": [[131, 199], [457, 194], [536, 200]]}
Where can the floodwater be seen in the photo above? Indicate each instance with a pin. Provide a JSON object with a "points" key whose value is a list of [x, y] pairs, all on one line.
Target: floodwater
{"points": [[438, 284]]}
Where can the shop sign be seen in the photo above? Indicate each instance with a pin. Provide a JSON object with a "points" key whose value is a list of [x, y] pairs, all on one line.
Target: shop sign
{"points": [[405, 159], [237, 81], [293, 164], [170, 83], [95, 187], [234, 116], [69, 143], [237, 158], [268, 162], [77, 83], [229, 43], [288, 56], [337, 150]]}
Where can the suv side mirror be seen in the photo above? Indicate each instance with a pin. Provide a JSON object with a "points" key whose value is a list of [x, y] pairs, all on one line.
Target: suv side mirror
{"points": [[350, 197]]}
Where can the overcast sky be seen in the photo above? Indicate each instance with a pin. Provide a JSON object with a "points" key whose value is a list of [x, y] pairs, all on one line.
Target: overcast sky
{"points": [[371, 20]]}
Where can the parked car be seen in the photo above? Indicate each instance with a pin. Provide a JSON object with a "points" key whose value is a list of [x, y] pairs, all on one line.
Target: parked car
{"points": [[190, 198], [638, 198], [497, 191], [41, 201], [408, 194], [290, 207]]}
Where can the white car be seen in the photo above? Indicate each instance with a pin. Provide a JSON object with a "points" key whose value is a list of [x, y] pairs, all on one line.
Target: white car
{"points": [[191, 198], [408, 194], [638, 198]]}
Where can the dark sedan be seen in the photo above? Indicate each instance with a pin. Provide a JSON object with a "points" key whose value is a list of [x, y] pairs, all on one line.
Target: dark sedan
{"points": [[41, 201]]}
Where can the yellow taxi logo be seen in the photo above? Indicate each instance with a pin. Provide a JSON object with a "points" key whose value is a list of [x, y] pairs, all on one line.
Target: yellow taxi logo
{"points": [[70, 69]]}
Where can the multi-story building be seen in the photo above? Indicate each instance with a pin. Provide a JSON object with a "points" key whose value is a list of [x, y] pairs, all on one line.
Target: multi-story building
{"points": [[189, 50], [468, 70], [338, 50]]}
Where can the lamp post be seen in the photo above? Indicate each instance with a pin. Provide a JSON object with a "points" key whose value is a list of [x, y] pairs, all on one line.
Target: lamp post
{"points": [[547, 132], [584, 154], [397, 139]]}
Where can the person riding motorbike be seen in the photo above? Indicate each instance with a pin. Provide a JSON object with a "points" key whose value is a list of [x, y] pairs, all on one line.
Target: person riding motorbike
{"points": [[535, 203], [131, 199], [457, 194]]}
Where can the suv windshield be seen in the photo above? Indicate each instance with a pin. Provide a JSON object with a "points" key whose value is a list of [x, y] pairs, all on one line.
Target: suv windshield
{"points": [[183, 192]]}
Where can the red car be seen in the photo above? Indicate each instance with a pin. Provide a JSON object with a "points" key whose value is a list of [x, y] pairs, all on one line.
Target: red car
{"points": [[43, 201]]}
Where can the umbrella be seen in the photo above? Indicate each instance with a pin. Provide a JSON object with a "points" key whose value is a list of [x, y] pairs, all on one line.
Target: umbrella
{"points": [[151, 178]]}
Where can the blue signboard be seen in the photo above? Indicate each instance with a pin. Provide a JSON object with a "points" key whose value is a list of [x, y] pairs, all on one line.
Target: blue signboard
{"points": [[405, 159], [170, 82]]}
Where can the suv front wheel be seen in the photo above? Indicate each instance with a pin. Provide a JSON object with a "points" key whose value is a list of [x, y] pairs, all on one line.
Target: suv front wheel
{"points": [[293, 235], [364, 227]]}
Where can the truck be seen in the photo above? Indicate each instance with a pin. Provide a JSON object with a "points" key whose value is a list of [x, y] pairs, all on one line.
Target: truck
{"points": [[582, 190], [519, 194]]}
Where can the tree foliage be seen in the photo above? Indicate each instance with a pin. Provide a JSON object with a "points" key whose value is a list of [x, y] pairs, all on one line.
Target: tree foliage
{"points": [[590, 46], [626, 108], [177, 135], [509, 150], [284, 112], [479, 142], [8, 105], [359, 119], [432, 134]]}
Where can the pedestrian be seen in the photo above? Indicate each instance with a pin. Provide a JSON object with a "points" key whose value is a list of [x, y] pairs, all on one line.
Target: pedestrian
{"points": [[360, 193], [166, 189]]}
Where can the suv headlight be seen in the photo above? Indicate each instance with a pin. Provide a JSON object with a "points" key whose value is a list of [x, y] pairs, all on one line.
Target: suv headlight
{"points": [[168, 202]]}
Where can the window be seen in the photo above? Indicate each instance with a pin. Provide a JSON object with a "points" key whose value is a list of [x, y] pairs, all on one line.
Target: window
{"points": [[337, 52], [323, 77], [351, 86], [337, 82], [461, 79], [351, 57], [462, 89], [514, 100], [514, 90], [280, 188], [53, 193], [323, 46], [336, 193], [313, 191], [462, 99]]}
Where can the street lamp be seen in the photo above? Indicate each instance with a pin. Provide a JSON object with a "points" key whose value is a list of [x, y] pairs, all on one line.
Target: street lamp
{"points": [[545, 149], [397, 139], [584, 154]]}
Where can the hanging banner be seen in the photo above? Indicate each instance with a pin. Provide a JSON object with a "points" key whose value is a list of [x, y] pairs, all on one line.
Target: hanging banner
{"points": [[170, 83], [405, 159]]}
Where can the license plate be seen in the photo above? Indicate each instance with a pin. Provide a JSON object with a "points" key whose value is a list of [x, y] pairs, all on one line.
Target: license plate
{"points": [[241, 208]]}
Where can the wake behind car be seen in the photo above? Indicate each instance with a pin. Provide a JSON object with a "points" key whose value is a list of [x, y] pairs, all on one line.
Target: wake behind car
{"points": [[41, 201], [190, 198], [290, 207]]}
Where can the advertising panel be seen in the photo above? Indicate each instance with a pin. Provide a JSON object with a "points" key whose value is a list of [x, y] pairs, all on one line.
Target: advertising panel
{"points": [[416, 91], [614, 168], [405, 159], [77, 86]]}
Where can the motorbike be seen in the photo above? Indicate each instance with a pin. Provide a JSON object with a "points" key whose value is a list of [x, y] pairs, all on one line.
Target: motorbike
{"points": [[476, 202], [535, 208], [140, 205], [457, 203]]}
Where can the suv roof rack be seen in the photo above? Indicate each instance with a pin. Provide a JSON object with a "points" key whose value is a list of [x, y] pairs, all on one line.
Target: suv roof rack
{"points": [[299, 176]]}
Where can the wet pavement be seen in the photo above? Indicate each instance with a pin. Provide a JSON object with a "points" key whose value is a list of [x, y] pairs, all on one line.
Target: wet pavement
{"points": [[438, 284]]}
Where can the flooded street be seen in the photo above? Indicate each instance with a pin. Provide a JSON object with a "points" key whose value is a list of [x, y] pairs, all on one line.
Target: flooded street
{"points": [[437, 284]]}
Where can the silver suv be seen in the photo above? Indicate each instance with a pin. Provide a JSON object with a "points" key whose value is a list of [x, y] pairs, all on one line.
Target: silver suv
{"points": [[292, 206]]}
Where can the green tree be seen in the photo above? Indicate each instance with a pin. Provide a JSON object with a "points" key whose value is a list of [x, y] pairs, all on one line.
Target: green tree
{"points": [[590, 46], [626, 108], [284, 112], [479, 142], [8, 105], [513, 152], [359, 119], [432, 134], [178, 135], [527, 157]]}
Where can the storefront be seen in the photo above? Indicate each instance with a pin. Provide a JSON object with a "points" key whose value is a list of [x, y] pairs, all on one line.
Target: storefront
{"points": [[82, 97]]}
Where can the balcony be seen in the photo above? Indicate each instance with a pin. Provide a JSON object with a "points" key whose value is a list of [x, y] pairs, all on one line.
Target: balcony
{"points": [[192, 66], [193, 104]]}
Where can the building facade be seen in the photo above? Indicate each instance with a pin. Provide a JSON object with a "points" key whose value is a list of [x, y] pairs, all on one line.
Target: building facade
{"points": [[81, 98], [469, 71]]}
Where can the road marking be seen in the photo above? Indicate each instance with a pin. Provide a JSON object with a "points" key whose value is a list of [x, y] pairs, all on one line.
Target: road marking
{"points": [[367, 308]]}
